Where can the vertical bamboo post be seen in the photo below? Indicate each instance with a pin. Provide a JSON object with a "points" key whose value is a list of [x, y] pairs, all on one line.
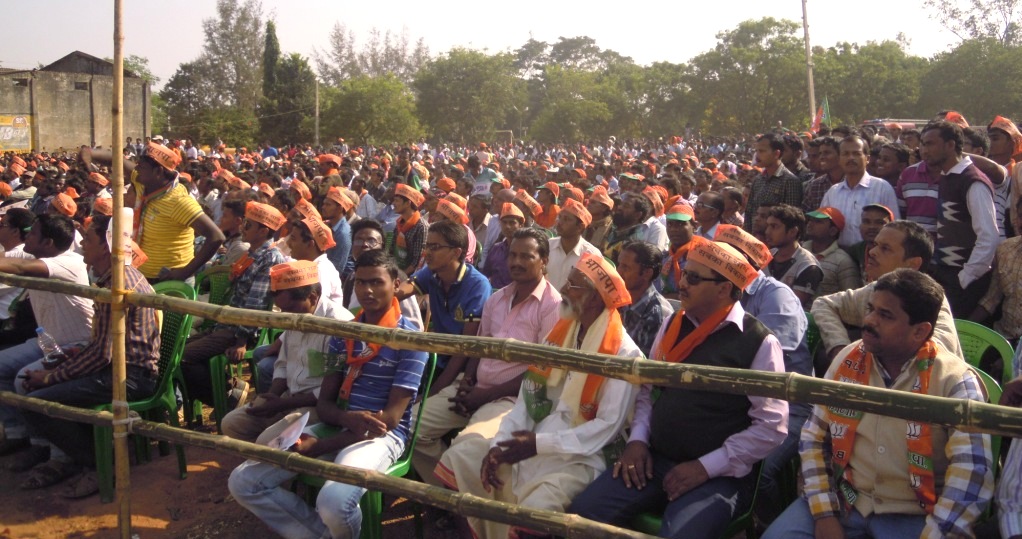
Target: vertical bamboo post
{"points": [[117, 255]]}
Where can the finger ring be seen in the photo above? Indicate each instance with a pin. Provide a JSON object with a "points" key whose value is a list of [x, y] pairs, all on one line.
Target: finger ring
{"points": [[631, 466]]}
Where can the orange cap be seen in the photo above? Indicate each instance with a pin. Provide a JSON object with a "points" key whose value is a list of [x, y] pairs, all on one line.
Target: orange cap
{"points": [[303, 190], [265, 189], [446, 184], [833, 214], [576, 208], [265, 214], [1011, 129], [534, 206], [600, 195], [606, 279], [307, 210], [321, 233], [329, 158], [510, 210], [293, 275], [5, 189], [64, 204], [553, 188], [745, 242], [335, 194], [103, 206], [72, 192], [451, 211], [63, 166], [725, 260], [167, 158], [410, 193], [681, 212], [17, 169]]}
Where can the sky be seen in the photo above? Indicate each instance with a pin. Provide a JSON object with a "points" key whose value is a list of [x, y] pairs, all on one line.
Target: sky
{"points": [[170, 33]]}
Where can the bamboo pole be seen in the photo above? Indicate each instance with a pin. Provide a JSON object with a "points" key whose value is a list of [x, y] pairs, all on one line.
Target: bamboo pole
{"points": [[958, 413], [464, 504], [117, 285]]}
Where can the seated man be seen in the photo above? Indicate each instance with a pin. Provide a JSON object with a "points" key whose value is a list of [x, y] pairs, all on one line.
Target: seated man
{"points": [[840, 272], [379, 386], [311, 239], [299, 367], [250, 290], [85, 378], [555, 434], [792, 264], [639, 265], [692, 454], [867, 475], [899, 244], [16, 321], [525, 310], [67, 318]]}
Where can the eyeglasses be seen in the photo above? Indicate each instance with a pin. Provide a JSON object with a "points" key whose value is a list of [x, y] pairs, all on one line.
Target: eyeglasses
{"points": [[367, 243], [704, 206], [436, 247], [693, 279]]}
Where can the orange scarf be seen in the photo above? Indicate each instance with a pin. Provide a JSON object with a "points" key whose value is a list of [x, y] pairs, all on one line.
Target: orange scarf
{"points": [[241, 265], [548, 218], [404, 226], [679, 351], [856, 369], [611, 344], [673, 263], [360, 352]]}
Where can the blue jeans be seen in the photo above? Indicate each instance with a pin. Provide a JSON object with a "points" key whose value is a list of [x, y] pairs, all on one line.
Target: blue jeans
{"points": [[703, 512], [796, 522], [13, 360], [256, 486], [769, 502], [264, 366]]}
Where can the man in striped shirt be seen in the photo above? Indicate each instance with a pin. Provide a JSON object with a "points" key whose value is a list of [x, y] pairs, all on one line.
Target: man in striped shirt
{"points": [[85, 378]]}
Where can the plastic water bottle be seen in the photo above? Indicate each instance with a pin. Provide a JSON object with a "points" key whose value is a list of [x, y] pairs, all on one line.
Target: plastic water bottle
{"points": [[52, 354]]}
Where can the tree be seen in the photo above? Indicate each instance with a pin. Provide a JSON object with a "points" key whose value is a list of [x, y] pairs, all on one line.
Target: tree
{"points": [[290, 101], [977, 79], [371, 110], [271, 55], [139, 65], [384, 53], [997, 19], [465, 95], [234, 48]]}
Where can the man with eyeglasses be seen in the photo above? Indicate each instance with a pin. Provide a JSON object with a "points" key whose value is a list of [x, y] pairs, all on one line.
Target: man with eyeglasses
{"points": [[696, 451], [457, 291], [169, 219], [709, 207]]}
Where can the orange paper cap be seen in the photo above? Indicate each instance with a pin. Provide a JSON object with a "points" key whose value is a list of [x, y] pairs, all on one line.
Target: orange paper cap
{"points": [[103, 206], [265, 189], [72, 192], [340, 198], [534, 206], [600, 195], [745, 242], [446, 184], [303, 190], [17, 169], [63, 166], [321, 233], [451, 211], [19, 161], [410, 193], [307, 210], [64, 204], [458, 200], [576, 208], [167, 158], [725, 260], [606, 279], [329, 158], [264, 214], [957, 118], [5, 189], [293, 275], [99, 178], [655, 200], [552, 187], [510, 210], [574, 193], [138, 256], [1011, 129]]}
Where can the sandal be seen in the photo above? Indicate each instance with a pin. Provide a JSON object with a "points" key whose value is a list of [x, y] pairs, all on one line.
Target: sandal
{"points": [[48, 474], [83, 486]]}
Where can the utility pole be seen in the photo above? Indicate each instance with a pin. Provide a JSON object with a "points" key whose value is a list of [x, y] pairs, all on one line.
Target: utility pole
{"points": [[809, 63], [317, 112]]}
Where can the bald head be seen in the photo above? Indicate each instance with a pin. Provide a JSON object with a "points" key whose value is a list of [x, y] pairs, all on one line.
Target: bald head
{"points": [[503, 196]]}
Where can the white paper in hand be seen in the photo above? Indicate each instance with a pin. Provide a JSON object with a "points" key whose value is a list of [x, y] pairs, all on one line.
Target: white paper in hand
{"points": [[289, 436]]}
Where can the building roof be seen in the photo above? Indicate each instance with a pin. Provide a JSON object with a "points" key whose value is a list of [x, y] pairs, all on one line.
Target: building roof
{"points": [[80, 62]]}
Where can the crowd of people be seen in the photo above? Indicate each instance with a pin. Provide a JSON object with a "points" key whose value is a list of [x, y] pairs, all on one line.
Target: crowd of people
{"points": [[709, 252]]}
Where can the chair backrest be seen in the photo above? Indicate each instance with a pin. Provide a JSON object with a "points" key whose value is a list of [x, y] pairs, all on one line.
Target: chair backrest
{"points": [[977, 338], [175, 328], [993, 397], [427, 382], [813, 338]]}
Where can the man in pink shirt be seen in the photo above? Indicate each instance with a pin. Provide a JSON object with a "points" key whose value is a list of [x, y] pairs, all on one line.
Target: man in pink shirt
{"points": [[525, 310]]}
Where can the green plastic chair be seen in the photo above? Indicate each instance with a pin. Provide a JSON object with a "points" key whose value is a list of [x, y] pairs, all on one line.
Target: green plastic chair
{"points": [[650, 523], [813, 337], [976, 338], [218, 366], [219, 284], [372, 501], [173, 333]]}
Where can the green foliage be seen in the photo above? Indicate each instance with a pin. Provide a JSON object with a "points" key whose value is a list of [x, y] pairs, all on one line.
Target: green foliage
{"points": [[234, 49], [271, 55], [370, 110], [465, 95], [289, 102], [383, 54], [976, 79], [980, 19]]}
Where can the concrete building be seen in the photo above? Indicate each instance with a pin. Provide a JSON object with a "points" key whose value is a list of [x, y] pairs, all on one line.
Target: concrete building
{"points": [[67, 104]]}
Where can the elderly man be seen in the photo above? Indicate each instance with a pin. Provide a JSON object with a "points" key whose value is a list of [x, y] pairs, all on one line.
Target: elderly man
{"points": [[893, 477], [552, 439], [701, 480]]}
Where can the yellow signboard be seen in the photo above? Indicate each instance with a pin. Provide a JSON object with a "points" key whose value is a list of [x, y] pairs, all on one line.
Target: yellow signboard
{"points": [[15, 132]]}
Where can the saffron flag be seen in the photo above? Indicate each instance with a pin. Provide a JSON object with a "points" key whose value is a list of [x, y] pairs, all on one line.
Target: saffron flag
{"points": [[822, 116]]}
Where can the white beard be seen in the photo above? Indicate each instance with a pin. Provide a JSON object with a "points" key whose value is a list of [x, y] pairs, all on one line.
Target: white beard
{"points": [[567, 312]]}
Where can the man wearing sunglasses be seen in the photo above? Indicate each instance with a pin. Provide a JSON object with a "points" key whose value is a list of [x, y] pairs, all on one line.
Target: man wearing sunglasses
{"points": [[705, 479]]}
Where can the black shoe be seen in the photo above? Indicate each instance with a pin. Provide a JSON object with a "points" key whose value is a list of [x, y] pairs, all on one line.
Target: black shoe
{"points": [[36, 454], [13, 445]]}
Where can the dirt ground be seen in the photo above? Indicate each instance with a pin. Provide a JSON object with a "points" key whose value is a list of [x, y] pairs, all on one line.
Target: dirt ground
{"points": [[162, 506]]}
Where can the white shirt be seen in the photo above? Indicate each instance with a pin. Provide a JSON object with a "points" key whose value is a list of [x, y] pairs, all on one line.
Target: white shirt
{"points": [[330, 279], [301, 357], [9, 293], [67, 318], [561, 262], [850, 201], [656, 233]]}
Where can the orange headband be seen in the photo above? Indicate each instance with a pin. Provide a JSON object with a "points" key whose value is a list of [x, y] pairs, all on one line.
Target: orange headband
{"points": [[293, 275], [606, 279], [744, 242], [265, 214], [321, 233], [725, 260]]}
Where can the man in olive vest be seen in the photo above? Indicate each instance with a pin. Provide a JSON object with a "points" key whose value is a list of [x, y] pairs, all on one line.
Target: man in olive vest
{"points": [[872, 475]]}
